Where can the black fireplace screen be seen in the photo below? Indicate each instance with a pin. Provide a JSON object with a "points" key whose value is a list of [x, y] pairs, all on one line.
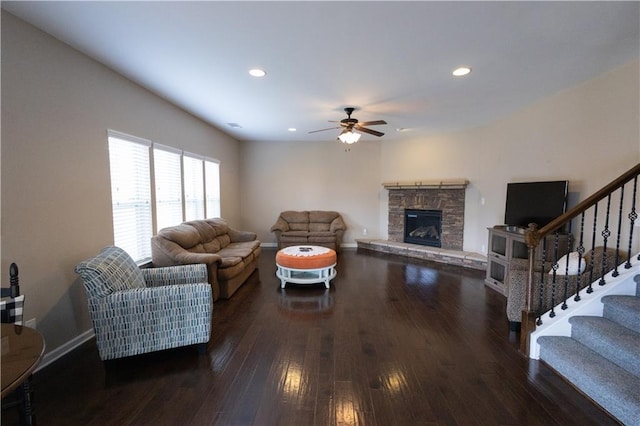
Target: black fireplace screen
{"points": [[423, 227]]}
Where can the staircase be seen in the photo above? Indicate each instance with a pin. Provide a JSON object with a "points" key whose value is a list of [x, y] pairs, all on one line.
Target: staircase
{"points": [[602, 355]]}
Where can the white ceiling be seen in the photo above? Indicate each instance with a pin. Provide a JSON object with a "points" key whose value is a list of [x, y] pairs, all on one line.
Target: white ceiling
{"points": [[390, 60]]}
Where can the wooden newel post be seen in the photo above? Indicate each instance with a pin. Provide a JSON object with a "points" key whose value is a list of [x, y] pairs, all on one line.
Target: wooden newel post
{"points": [[531, 238]]}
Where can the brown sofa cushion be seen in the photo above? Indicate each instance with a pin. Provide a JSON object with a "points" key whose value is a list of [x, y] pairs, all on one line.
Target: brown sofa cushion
{"points": [[298, 221], [228, 262], [212, 246], [319, 227], [240, 252], [321, 239], [326, 234], [184, 235], [230, 271], [294, 239], [295, 234], [224, 240], [321, 216]]}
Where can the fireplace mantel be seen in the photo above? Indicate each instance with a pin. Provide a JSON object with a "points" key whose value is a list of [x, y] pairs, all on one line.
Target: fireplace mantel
{"points": [[427, 184]]}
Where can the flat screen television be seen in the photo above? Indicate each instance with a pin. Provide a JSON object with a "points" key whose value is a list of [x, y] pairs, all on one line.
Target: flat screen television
{"points": [[535, 202]]}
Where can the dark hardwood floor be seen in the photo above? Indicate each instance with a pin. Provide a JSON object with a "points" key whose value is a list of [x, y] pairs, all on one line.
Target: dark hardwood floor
{"points": [[393, 342]]}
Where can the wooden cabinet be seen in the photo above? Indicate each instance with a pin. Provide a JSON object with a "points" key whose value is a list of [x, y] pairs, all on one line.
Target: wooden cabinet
{"points": [[506, 245]]}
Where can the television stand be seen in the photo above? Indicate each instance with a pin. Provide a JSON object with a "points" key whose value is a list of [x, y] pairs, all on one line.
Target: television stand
{"points": [[505, 245]]}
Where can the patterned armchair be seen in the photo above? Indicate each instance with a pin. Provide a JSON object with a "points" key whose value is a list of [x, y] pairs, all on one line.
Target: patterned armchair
{"points": [[135, 310]]}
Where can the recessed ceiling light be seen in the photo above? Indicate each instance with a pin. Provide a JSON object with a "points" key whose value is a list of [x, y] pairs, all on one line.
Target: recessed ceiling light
{"points": [[257, 72], [292, 129], [459, 72]]}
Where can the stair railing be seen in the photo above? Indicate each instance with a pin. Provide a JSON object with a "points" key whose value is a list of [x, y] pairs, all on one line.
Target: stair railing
{"points": [[605, 220]]}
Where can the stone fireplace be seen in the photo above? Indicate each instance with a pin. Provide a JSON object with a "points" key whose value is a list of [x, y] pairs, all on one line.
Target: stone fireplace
{"points": [[446, 197]]}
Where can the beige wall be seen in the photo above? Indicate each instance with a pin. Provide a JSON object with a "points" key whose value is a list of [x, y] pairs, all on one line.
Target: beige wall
{"points": [[587, 134], [310, 176], [57, 105]]}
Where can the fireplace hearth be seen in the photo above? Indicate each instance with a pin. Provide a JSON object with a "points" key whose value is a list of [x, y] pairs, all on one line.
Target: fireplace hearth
{"points": [[423, 227]]}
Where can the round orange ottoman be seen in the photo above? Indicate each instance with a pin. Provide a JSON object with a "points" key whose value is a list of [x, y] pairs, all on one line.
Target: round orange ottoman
{"points": [[305, 265]]}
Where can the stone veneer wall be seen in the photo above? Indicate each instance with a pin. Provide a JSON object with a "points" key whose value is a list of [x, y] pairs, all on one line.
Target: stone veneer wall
{"points": [[450, 201]]}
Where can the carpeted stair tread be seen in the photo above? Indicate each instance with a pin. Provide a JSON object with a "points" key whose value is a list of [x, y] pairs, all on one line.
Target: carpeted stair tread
{"points": [[609, 385], [624, 310], [609, 339]]}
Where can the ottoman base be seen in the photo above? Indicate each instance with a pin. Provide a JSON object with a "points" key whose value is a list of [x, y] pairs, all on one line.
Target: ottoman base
{"points": [[305, 276]]}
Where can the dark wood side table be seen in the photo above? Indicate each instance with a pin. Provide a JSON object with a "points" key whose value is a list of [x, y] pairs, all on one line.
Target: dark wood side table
{"points": [[22, 349]]}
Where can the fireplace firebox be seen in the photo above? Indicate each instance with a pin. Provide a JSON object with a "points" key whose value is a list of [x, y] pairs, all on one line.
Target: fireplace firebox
{"points": [[423, 227]]}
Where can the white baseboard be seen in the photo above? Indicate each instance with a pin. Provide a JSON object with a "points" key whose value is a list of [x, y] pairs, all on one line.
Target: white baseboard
{"points": [[64, 349], [275, 245]]}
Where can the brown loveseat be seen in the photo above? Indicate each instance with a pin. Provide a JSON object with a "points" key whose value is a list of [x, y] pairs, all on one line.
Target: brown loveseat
{"points": [[230, 255], [322, 228]]}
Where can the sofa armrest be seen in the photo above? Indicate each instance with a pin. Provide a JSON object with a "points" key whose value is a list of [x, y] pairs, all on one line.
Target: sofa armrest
{"points": [[337, 224], [188, 258], [148, 314], [174, 296], [173, 275], [241, 236], [280, 225]]}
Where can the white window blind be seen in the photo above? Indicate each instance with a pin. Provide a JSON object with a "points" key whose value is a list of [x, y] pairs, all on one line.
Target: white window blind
{"points": [[212, 188], [193, 187], [131, 194], [168, 178]]}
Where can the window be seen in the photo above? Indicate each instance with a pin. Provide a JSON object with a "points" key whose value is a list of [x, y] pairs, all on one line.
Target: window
{"points": [[193, 187], [131, 194], [168, 178], [178, 187], [212, 188]]}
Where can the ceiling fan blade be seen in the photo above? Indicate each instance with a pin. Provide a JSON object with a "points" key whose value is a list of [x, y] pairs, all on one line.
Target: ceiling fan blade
{"points": [[371, 132], [372, 123], [322, 130]]}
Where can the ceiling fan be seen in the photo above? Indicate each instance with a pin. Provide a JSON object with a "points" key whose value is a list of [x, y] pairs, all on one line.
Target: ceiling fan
{"points": [[349, 125]]}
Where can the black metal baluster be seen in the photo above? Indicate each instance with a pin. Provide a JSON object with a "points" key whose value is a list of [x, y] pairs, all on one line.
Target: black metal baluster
{"points": [[580, 250], [566, 269], [553, 276], [632, 217], [542, 274], [605, 237], [617, 259], [593, 245]]}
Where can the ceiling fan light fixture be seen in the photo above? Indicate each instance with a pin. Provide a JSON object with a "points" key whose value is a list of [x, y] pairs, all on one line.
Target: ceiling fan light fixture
{"points": [[349, 137], [257, 72], [460, 72]]}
